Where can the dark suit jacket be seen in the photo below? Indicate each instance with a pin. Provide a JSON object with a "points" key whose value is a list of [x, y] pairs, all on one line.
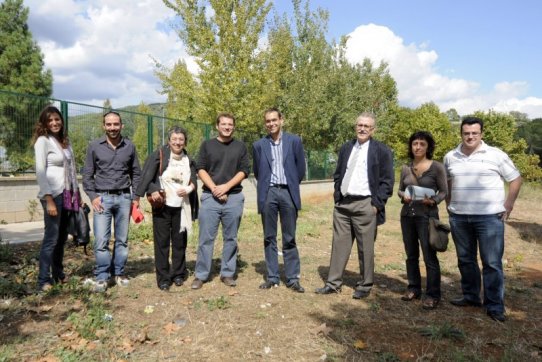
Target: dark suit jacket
{"points": [[379, 170], [150, 177], [293, 161]]}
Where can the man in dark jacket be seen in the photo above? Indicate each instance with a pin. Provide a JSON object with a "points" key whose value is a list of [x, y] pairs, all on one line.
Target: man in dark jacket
{"points": [[279, 167], [364, 180]]}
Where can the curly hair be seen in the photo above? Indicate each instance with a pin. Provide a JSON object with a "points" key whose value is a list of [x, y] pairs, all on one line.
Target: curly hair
{"points": [[41, 126], [427, 137]]}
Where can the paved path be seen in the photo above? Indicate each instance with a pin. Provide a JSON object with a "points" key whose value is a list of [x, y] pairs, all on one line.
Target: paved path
{"points": [[22, 232]]}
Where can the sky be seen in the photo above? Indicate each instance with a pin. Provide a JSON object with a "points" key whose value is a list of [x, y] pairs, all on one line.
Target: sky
{"points": [[467, 55]]}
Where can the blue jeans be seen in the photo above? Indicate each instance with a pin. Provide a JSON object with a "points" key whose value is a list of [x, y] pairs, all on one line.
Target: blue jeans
{"points": [[485, 232], [52, 246], [211, 214], [117, 209], [415, 234], [279, 201]]}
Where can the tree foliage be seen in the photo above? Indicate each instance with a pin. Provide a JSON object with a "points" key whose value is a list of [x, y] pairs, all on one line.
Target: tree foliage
{"points": [[532, 133], [499, 131], [427, 117], [246, 68], [21, 70]]}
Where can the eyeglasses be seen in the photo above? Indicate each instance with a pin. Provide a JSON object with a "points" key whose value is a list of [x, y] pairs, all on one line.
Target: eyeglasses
{"points": [[473, 134], [365, 126]]}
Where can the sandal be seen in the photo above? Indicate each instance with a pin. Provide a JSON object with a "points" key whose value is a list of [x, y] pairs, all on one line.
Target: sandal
{"points": [[409, 295], [430, 303]]}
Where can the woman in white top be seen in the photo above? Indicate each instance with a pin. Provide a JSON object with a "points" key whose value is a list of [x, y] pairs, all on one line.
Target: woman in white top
{"points": [[55, 171], [169, 179]]}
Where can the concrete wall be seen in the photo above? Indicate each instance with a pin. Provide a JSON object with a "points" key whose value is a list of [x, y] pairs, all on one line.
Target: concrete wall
{"points": [[19, 202]]}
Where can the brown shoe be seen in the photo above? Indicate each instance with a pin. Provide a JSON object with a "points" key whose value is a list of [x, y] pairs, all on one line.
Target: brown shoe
{"points": [[410, 295], [430, 303], [229, 281], [197, 284]]}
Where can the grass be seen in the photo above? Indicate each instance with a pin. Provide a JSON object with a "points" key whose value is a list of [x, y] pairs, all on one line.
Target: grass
{"points": [[245, 323]]}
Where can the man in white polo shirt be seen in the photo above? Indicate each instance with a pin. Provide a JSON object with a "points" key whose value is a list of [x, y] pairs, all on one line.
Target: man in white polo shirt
{"points": [[478, 206]]}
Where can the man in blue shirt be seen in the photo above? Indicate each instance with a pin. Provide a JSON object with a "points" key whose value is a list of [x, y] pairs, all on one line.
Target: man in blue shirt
{"points": [[279, 167]]}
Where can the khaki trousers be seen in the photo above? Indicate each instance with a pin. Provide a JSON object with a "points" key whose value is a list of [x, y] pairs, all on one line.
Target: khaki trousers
{"points": [[353, 219]]}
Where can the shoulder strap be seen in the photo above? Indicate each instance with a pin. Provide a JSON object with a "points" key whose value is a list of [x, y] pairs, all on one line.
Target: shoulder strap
{"points": [[161, 157], [415, 179]]}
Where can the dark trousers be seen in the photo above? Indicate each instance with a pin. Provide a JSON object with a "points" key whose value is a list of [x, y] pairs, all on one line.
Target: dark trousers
{"points": [[415, 234], [167, 235], [52, 246], [279, 202]]}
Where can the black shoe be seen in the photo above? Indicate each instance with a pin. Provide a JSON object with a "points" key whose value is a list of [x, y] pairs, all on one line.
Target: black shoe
{"points": [[360, 294], [164, 287], [327, 290], [296, 287], [229, 281], [268, 284], [462, 302], [178, 281], [496, 316]]}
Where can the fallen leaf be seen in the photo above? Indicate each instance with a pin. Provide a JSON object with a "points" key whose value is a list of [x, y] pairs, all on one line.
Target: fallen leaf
{"points": [[322, 328], [359, 344], [140, 337], [149, 309], [233, 292], [185, 339], [147, 241], [69, 335], [80, 345], [127, 345], [101, 333], [91, 346], [48, 359], [171, 327]]}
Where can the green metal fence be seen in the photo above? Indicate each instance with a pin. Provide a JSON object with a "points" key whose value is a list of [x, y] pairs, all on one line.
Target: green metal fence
{"points": [[19, 113]]}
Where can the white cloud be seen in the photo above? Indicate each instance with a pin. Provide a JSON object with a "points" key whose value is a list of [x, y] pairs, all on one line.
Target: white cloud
{"points": [[418, 81], [100, 49]]}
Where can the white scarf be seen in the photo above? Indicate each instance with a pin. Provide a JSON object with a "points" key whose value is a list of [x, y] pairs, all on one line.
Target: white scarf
{"points": [[175, 177]]}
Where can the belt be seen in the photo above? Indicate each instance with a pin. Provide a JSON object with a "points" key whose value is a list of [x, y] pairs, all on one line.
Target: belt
{"points": [[115, 192], [280, 186], [356, 197]]}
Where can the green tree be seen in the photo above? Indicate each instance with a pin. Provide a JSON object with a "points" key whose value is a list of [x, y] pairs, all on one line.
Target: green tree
{"points": [[499, 131], [223, 36], [427, 117], [21, 70], [532, 133]]}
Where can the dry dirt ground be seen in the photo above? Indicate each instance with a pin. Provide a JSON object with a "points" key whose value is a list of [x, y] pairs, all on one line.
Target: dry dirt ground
{"points": [[219, 323]]}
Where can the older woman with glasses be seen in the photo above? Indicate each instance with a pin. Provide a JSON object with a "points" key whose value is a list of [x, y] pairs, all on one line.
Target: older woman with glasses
{"points": [[169, 180]]}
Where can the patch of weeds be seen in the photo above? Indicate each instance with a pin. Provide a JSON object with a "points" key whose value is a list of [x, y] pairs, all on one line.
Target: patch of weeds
{"points": [[67, 355], [393, 266], [346, 323], [218, 303], [87, 322], [446, 330], [141, 232], [5, 252], [32, 208], [197, 305], [388, 357], [261, 315], [10, 288], [374, 306], [7, 353]]}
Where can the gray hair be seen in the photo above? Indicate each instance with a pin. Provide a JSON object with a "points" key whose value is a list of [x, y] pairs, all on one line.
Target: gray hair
{"points": [[178, 130]]}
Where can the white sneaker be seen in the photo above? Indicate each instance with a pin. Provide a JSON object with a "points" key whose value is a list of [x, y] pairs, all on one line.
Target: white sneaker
{"points": [[122, 281], [100, 286]]}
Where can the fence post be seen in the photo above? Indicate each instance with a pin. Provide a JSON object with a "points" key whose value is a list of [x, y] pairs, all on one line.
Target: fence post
{"points": [[149, 135], [207, 134], [308, 165], [64, 111]]}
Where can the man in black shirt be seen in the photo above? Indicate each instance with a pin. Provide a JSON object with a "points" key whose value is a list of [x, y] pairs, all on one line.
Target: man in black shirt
{"points": [[223, 163], [110, 177]]}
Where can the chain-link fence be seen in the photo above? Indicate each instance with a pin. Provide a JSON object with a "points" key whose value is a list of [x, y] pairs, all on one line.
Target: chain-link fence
{"points": [[19, 113]]}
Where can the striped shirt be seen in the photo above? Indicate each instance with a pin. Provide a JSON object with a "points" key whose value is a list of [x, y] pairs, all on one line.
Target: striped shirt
{"points": [[477, 180], [277, 168]]}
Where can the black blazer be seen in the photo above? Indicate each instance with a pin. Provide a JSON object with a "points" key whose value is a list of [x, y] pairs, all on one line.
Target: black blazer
{"points": [[380, 172], [150, 182]]}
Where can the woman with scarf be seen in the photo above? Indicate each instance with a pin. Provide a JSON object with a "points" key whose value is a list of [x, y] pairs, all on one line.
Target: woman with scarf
{"points": [[169, 180], [55, 173]]}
